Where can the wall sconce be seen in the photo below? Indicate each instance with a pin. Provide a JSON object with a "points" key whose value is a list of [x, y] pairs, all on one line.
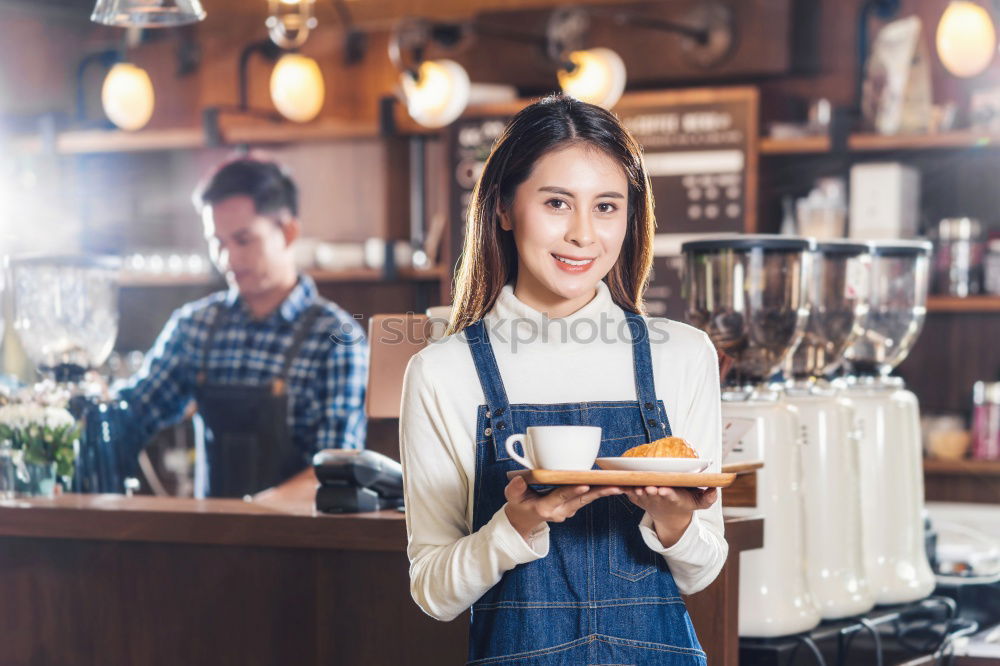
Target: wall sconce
{"points": [[435, 92], [297, 88], [296, 83], [966, 38], [147, 13], [127, 96], [707, 36], [595, 75]]}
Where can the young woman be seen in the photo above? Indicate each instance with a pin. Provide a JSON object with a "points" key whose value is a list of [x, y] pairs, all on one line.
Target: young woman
{"points": [[547, 330]]}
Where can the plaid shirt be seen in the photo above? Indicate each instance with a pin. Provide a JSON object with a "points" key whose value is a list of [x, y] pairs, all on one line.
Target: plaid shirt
{"points": [[326, 381]]}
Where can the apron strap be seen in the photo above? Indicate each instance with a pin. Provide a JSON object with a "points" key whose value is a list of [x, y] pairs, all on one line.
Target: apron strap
{"points": [[302, 331], [497, 404], [653, 420], [219, 317]]}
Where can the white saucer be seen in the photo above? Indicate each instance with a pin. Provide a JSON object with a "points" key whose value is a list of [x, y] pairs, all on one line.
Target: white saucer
{"points": [[637, 464]]}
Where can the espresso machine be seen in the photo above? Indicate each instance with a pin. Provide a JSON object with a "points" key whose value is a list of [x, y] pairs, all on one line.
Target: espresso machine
{"points": [[833, 552], [887, 418], [749, 293], [66, 316]]}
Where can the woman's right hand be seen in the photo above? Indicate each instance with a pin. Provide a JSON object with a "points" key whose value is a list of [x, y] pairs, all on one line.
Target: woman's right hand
{"points": [[526, 509]]}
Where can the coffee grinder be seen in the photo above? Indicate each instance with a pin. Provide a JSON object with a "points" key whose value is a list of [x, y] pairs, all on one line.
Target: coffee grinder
{"points": [[66, 316], [887, 418], [833, 553], [749, 293]]}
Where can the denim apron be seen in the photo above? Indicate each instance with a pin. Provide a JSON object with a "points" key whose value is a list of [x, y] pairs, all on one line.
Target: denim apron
{"points": [[242, 434], [600, 596]]}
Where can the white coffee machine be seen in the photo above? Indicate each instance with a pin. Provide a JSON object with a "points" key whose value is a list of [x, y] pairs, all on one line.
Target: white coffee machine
{"points": [[887, 418], [833, 553], [749, 293]]}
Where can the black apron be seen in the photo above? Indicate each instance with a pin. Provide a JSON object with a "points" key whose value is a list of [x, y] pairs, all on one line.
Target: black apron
{"points": [[244, 434]]}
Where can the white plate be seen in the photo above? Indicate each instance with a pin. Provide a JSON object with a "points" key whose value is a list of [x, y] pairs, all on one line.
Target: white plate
{"points": [[637, 464]]}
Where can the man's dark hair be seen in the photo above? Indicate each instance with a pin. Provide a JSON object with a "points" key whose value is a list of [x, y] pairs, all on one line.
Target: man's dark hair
{"points": [[267, 183]]}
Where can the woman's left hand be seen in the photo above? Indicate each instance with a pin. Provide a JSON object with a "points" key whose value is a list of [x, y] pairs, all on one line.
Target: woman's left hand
{"points": [[671, 508]]}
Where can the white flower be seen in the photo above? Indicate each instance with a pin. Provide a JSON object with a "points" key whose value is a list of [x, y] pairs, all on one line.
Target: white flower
{"points": [[21, 416]]}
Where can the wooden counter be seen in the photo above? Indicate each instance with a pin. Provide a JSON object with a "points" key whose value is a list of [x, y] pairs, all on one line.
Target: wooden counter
{"points": [[104, 579], [962, 480]]}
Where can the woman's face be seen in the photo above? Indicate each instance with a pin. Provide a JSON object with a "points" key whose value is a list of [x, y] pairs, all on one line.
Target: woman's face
{"points": [[569, 220]]}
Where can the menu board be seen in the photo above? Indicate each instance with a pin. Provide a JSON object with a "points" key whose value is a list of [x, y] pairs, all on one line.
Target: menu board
{"points": [[699, 146]]}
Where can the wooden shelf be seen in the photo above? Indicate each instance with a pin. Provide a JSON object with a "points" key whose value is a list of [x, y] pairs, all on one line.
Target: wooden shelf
{"points": [[136, 279], [969, 304], [937, 466], [103, 141], [965, 139], [242, 132], [881, 142], [806, 144], [434, 274], [293, 133]]}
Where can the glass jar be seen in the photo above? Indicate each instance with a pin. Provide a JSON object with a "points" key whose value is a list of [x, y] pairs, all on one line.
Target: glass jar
{"points": [[958, 263], [986, 421]]}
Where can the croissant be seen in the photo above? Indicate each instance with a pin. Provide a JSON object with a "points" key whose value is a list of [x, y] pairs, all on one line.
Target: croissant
{"points": [[667, 447]]}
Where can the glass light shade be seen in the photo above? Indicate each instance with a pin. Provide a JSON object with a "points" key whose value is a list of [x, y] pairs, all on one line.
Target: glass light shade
{"points": [[966, 38], [439, 94], [598, 77], [147, 13], [297, 88], [290, 21], [127, 96]]}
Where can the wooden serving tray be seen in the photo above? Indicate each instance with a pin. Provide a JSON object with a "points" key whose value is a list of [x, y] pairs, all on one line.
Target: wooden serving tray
{"points": [[607, 477]]}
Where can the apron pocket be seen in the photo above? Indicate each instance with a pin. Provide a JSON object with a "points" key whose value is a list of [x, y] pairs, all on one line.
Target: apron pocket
{"points": [[628, 555]]}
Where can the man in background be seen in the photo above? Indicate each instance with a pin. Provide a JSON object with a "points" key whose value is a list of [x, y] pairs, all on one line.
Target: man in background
{"points": [[276, 371]]}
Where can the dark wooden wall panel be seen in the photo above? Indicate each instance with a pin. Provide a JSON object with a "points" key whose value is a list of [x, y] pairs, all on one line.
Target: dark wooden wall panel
{"points": [[952, 353]]}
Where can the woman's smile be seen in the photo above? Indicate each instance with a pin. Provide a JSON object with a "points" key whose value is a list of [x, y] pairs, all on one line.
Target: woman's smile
{"points": [[572, 264]]}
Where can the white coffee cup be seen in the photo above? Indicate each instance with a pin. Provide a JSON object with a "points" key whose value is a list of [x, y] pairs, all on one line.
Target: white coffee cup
{"points": [[557, 447]]}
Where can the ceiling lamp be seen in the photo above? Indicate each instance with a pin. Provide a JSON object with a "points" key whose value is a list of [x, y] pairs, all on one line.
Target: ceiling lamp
{"points": [[595, 75], [127, 96], [966, 38], [297, 89], [147, 13]]}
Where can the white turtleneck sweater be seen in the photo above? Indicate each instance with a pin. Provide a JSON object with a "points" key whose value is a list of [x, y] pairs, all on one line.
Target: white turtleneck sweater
{"points": [[450, 566]]}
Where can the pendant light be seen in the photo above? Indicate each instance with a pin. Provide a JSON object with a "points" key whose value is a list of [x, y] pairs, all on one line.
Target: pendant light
{"points": [[147, 13], [594, 75], [127, 96], [966, 38]]}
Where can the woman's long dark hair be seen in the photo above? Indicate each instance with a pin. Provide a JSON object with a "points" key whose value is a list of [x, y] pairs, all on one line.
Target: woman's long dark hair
{"points": [[489, 257]]}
